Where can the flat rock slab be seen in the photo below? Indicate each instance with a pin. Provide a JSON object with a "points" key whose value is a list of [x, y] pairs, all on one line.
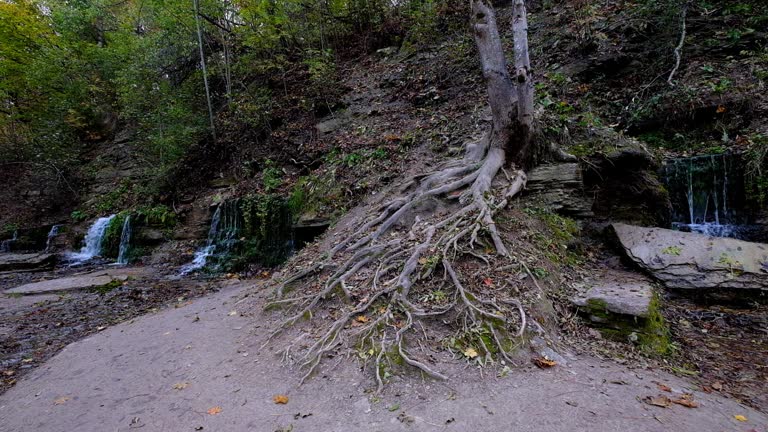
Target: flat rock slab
{"points": [[623, 297], [33, 261], [694, 261], [84, 281]]}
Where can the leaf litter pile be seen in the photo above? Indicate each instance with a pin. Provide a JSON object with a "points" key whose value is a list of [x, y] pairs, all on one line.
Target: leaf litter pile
{"points": [[724, 349]]}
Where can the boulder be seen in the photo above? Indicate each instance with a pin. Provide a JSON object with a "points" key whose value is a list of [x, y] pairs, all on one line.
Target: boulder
{"points": [[691, 261], [631, 298], [559, 187], [26, 262], [624, 307]]}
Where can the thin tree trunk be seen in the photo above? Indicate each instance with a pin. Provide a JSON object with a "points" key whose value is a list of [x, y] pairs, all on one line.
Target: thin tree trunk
{"points": [[205, 70], [524, 129], [502, 96], [510, 98]]}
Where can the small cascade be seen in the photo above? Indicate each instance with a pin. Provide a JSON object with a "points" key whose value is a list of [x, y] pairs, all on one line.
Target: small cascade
{"points": [[125, 242], [93, 240], [51, 235], [5, 245], [251, 230], [202, 253], [708, 196]]}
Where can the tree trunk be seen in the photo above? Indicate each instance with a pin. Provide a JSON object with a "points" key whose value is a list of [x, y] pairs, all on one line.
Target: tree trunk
{"points": [[511, 100], [196, 5]]}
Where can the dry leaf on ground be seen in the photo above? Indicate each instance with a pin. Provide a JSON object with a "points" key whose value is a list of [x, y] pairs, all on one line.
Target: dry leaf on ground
{"points": [[280, 399], [686, 400], [215, 410], [544, 362], [470, 353], [61, 400], [664, 387], [180, 386], [660, 401], [740, 418]]}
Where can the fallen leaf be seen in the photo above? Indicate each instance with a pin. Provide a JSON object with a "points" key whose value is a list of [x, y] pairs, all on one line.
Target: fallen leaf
{"points": [[717, 385], [215, 410], [686, 400], [488, 281], [362, 319], [394, 407], [180, 386], [720, 109], [544, 362], [740, 418], [423, 260], [8, 372], [233, 313], [660, 401], [280, 399], [664, 387], [27, 360], [61, 400], [470, 353]]}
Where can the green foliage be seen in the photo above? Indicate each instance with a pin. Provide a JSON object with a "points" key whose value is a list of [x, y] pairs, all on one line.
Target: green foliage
{"points": [[756, 169], [267, 229], [8, 229], [159, 216], [672, 250], [78, 216], [272, 176]]}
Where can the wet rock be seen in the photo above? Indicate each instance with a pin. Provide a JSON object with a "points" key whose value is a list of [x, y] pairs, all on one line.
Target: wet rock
{"points": [[149, 236], [693, 261], [560, 187], [626, 186], [29, 262]]}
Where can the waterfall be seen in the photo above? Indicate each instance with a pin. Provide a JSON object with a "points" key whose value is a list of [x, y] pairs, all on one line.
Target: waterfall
{"points": [[125, 241], [202, 253], [51, 235], [93, 240], [708, 196], [5, 245]]}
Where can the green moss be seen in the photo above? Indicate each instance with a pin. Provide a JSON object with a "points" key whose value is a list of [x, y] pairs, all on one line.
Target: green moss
{"points": [[654, 337], [650, 333], [110, 245], [104, 289]]}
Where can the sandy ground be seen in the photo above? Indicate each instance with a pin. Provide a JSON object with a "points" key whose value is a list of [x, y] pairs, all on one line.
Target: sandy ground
{"points": [[165, 371]]}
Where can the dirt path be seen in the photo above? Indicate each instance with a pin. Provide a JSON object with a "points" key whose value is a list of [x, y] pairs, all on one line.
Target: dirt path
{"points": [[123, 379]]}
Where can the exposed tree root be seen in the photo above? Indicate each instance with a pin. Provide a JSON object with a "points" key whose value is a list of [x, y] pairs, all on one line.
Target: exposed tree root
{"points": [[380, 267], [381, 261]]}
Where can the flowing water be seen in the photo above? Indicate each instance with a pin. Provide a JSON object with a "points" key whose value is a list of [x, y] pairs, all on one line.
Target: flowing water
{"points": [[5, 245], [708, 196], [125, 242], [202, 253], [51, 235], [93, 240]]}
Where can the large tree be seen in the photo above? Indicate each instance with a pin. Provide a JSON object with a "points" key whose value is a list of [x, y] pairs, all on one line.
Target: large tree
{"points": [[392, 264]]}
